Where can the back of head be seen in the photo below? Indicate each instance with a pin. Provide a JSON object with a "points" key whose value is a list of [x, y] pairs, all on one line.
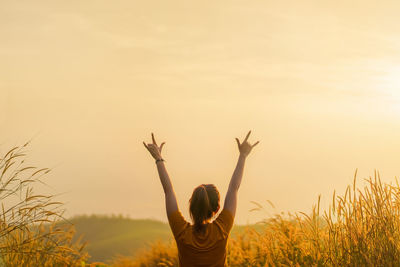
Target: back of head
{"points": [[204, 203]]}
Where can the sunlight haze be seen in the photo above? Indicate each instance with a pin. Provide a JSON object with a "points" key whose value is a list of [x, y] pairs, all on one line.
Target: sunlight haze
{"points": [[318, 83]]}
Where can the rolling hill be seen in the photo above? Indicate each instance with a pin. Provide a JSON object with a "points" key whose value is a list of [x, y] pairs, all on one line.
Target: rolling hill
{"points": [[108, 236]]}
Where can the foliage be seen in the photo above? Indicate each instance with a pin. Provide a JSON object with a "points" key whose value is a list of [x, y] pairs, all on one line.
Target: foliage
{"points": [[360, 228], [159, 254], [32, 231]]}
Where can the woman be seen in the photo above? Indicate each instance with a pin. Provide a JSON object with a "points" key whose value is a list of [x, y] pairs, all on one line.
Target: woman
{"points": [[204, 242]]}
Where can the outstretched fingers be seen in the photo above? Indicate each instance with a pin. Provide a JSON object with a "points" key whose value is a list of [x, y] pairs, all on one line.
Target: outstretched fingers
{"points": [[161, 146], [256, 143], [145, 145], [238, 142], [154, 140], [247, 136]]}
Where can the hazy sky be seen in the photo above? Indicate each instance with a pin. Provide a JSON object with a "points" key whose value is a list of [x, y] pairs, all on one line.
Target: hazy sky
{"points": [[318, 82]]}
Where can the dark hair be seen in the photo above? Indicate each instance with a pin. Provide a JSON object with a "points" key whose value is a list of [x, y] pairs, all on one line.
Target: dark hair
{"points": [[204, 203]]}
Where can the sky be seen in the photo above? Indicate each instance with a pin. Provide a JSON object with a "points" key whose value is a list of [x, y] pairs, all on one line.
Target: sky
{"points": [[317, 82]]}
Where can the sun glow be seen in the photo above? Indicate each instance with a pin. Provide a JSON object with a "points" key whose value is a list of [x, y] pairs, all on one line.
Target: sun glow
{"points": [[389, 83]]}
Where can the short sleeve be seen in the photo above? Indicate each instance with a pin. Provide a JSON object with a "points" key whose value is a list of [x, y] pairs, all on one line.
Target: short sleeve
{"points": [[177, 223], [225, 220]]}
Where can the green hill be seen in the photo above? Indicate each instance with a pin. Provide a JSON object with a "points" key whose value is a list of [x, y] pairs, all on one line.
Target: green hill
{"points": [[108, 236]]}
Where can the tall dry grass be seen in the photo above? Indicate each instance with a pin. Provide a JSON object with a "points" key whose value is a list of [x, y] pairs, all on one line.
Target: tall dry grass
{"points": [[360, 228], [32, 229], [159, 254]]}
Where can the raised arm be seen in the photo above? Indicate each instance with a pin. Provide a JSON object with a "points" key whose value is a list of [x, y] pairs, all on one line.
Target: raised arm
{"points": [[231, 196], [170, 198]]}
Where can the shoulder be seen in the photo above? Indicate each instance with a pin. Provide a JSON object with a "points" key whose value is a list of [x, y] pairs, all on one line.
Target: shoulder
{"points": [[177, 223], [225, 215], [225, 221], [174, 215]]}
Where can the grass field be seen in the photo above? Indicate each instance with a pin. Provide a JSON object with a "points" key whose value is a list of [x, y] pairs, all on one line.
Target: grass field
{"points": [[360, 228], [108, 236]]}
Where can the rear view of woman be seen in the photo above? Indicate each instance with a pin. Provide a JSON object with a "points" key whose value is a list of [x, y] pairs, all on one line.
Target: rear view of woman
{"points": [[204, 242]]}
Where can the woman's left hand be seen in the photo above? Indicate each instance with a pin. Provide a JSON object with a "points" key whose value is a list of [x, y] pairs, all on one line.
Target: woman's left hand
{"points": [[154, 149]]}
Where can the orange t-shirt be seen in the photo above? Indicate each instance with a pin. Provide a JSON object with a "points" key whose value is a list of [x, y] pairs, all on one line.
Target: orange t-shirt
{"points": [[207, 248]]}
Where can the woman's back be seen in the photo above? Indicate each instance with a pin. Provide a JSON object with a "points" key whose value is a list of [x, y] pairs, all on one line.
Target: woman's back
{"points": [[201, 248], [203, 243]]}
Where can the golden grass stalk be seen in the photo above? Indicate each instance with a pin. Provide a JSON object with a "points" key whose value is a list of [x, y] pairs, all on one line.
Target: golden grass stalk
{"points": [[360, 228], [31, 228]]}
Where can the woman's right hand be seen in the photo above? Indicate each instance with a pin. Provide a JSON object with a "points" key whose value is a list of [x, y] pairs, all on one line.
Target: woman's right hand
{"points": [[245, 147], [154, 150]]}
